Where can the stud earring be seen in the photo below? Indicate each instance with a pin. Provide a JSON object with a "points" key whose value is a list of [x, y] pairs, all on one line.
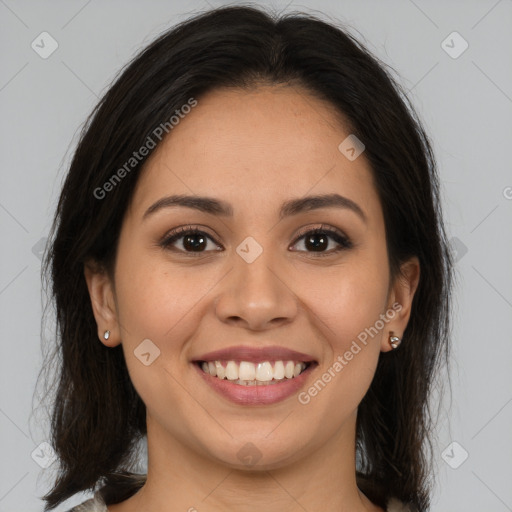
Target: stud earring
{"points": [[394, 341], [106, 335]]}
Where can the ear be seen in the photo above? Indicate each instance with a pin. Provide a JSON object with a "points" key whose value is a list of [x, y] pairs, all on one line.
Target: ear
{"points": [[101, 292], [400, 300]]}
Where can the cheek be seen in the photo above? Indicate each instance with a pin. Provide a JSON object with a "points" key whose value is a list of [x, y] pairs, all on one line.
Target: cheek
{"points": [[157, 305], [155, 299], [345, 306], [347, 300]]}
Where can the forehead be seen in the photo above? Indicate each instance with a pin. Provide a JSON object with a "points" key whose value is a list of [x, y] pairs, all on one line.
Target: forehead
{"points": [[253, 147]]}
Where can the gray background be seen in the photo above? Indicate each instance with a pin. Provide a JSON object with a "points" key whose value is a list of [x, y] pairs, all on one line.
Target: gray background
{"points": [[466, 105]]}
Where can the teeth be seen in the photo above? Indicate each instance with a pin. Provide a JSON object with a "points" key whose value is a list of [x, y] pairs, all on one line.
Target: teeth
{"points": [[288, 370], [247, 373], [231, 370], [219, 370], [264, 372], [278, 370]]}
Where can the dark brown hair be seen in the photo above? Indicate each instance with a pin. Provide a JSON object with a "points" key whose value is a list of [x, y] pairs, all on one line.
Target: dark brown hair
{"points": [[97, 416]]}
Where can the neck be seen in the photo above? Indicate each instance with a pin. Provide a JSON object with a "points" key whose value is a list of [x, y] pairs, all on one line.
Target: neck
{"points": [[180, 477]]}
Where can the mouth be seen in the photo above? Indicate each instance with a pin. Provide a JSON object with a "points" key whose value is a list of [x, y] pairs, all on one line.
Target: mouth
{"points": [[249, 373]]}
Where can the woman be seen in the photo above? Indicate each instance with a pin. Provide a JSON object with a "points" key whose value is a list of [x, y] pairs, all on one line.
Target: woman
{"points": [[250, 268]]}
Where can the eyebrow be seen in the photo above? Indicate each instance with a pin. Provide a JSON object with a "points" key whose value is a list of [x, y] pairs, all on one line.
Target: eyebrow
{"points": [[291, 207]]}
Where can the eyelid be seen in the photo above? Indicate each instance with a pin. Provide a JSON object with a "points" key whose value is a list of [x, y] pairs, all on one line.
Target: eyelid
{"points": [[177, 233], [322, 228], [343, 241]]}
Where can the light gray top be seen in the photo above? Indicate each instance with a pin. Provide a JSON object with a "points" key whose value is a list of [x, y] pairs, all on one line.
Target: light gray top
{"points": [[96, 504]]}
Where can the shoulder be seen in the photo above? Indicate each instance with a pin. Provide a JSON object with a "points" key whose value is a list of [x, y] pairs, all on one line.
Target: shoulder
{"points": [[95, 504], [395, 505]]}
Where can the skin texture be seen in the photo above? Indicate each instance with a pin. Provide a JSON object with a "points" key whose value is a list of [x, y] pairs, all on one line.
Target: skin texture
{"points": [[254, 149]]}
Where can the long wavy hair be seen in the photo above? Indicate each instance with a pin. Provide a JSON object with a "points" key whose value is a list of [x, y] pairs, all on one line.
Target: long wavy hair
{"points": [[97, 417]]}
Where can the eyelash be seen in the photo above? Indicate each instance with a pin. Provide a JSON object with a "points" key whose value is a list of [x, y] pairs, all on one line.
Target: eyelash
{"points": [[343, 241]]}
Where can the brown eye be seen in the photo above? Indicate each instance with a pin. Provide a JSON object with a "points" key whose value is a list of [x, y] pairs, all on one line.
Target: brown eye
{"points": [[191, 240], [318, 240]]}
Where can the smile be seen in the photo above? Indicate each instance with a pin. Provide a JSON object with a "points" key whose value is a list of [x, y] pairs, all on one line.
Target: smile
{"points": [[247, 373]]}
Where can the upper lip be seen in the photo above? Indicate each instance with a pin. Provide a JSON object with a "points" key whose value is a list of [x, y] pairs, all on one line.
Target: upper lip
{"points": [[255, 354]]}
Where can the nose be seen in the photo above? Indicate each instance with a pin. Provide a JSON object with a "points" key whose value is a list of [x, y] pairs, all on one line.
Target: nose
{"points": [[256, 295]]}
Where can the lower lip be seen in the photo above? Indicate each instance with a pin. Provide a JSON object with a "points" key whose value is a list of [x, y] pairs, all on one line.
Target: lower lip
{"points": [[256, 395]]}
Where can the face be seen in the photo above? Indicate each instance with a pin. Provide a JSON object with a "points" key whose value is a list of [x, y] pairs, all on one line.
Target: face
{"points": [[256, 280]]}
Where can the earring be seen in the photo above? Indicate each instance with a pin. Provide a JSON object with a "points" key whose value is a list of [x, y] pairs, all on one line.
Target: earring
{"points": [[106, 335], [394, 341]]}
